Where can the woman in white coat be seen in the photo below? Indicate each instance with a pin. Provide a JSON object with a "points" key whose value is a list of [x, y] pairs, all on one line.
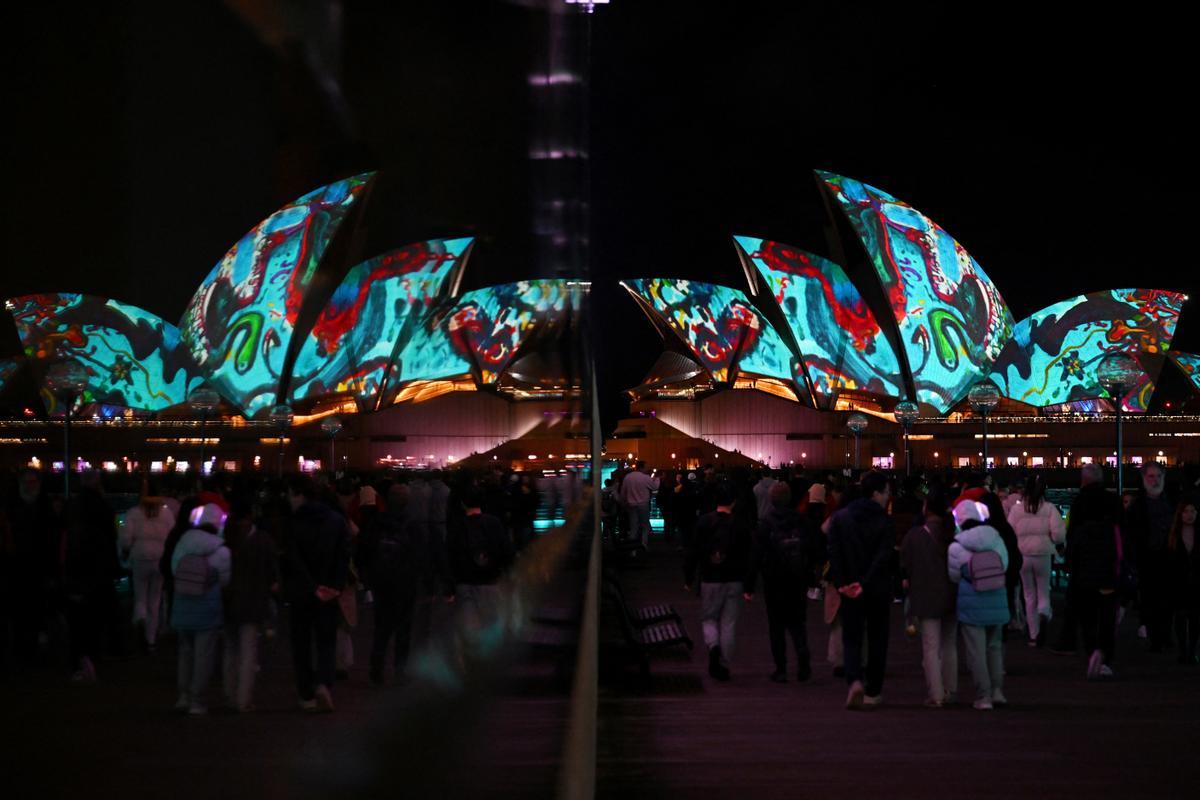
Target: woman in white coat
{"points": [[1039, 527], [142, 537]]}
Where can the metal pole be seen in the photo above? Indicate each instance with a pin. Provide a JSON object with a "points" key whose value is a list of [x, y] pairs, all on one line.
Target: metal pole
{"points": [[985, 441], [856, 438], [67, 452], [907, 454], [203, 419], [332, 455], [281, 455], [1120, 451]]}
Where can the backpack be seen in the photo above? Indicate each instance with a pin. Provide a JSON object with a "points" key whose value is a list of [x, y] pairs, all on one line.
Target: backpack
{"points": [[793, 555], [194, 576], [480, 546], [986, 571], [394, 557], [721, 543]]}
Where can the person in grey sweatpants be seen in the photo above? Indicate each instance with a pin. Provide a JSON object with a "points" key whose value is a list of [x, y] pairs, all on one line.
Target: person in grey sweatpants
{"points": [[720, 555]]}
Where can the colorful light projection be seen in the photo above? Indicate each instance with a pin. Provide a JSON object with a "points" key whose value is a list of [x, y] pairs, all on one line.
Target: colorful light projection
{"points": [[952, 320], [8, 368], [1189, 364], [840, 341], [134, 359], [1053, 355], [491, 324], [378, 304], [240, 321], [717, 324]]}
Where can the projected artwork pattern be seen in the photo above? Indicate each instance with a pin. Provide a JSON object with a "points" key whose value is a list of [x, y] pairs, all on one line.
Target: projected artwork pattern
{"points": [[378, 304], [8, 368], [1189, 363], [840, 341], [715, 322], [133, 358], [492, 323], [1054, 353], [952, 321], [239, 323]]}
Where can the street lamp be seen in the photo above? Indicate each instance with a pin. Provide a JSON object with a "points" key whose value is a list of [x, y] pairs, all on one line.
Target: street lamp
{"points": [[282, 416], [203, 401], [332, 426], [67, 380], [857, 423], [906, 413], [1117, 373], [984, 397]]}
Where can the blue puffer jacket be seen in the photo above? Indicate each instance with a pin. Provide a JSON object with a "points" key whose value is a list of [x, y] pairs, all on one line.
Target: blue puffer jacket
{"points": [[203, 612], [977, 608]]}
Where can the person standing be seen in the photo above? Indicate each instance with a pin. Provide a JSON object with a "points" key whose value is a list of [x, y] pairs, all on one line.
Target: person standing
{"points": [[480, 553], [89, 570], [1040, 530], [142, 538], [720, 559], [254, 578], [200, 564], [1184, 568], [861, 553], [1148, 523], [762, 494], [787, 549], [977, 561], [932, 598], [316, 563], [636, 490], [32, 568]]}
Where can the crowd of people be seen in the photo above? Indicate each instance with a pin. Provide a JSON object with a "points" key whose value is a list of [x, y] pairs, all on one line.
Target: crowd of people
{"points": [[970, 561], [216, 564]]}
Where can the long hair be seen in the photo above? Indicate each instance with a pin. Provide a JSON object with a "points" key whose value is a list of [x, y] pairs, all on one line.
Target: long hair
{"points": [[1035, 491], [1175, 538]]}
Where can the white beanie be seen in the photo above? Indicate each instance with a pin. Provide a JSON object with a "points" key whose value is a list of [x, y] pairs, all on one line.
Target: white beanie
{"points": [[366, 496], [209, 514], [816, 493], [969, 510]]}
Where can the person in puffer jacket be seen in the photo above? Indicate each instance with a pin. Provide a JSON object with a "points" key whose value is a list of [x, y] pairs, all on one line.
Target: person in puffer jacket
{"points": [[981, 615], [1040, 529], [198, 617]]}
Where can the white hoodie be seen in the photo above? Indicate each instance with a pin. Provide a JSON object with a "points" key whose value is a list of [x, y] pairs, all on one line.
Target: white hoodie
{"points": [[142, 536], [1037, 533], [969, 542], [203, 543]]}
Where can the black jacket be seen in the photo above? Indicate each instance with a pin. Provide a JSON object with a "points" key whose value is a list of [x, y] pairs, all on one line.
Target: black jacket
{"points": [[255, 571], [479, 550], [720, 550], [316, 551], [397, 555], [862, 543], [1092, 530], [767, 559]]}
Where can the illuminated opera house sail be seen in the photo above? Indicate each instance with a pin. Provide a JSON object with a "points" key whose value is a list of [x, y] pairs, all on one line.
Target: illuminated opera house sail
{"points": [[923, 321]]}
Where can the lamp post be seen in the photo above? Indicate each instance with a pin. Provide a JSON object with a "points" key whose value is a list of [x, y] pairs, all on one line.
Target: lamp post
{"points": [[332, 426], [857, 423], [282, 416], [1117, 373], [984, 397], [906, 413], [67, 380], [203, 401]]}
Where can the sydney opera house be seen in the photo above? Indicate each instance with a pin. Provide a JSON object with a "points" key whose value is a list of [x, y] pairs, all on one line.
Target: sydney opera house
{"points": [[287, 333]]}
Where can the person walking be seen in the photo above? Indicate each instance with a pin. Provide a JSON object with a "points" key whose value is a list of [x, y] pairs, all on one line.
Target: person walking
{"points": [[719, 558], [90, 568], [316, 563], [1148, 523], [1184, 570], [977, 561], [479, 552], [932, 598], [636, 490], [861, 554], [200, 565], [1040, 530], [254, 579], [787, 550], [142, 538]]}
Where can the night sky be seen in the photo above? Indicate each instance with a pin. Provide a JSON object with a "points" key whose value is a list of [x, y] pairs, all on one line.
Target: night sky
{"points": [[145, 139]]}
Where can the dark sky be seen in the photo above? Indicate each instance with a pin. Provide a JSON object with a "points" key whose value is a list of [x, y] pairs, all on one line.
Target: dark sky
{"points": [[145, 139]]}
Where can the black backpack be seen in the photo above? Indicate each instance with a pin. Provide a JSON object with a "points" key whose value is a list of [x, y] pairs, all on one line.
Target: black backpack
{"points": [[790, 547], [481, 547], [394, 557], [720, 544]]}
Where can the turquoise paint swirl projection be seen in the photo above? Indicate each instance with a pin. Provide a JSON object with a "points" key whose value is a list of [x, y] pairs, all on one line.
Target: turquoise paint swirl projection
{"points": [[133, 358], [378, 304], [1054, 353], [240, 321], [1189, 365], [718, 324], [8, 368], [841, 344], [953, 323]]}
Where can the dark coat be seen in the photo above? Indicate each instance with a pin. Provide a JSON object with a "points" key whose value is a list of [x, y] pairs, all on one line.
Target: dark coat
{"points": [[91, 554], [1092, 530], [862, 547], [931, 593], [479, 550], [720, 551], [255, 571], [316, 551], [765, 557], [1184, 571]]}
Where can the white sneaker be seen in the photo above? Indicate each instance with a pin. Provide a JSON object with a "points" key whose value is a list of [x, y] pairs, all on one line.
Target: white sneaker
{"points": [[854, 700], [308, 705], [1142, 632], [1094, 664], [983, 705], [197, 710], [323, 699], [183, 703], [873, 702], [1105, 672], [998, 698]]}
